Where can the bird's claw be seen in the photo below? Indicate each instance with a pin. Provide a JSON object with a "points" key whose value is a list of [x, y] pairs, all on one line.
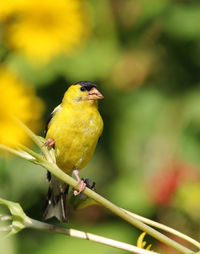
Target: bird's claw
{"points": [[82, 187], [49, 142]]}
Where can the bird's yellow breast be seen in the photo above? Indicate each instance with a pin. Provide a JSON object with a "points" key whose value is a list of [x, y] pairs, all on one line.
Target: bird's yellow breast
{"points": [[75, 130]]}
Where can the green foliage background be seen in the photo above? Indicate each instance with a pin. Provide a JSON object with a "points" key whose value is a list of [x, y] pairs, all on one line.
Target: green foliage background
{"points": [[144, 55]]}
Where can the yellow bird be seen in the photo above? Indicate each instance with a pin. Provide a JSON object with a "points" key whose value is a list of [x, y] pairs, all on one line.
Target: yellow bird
{"points": [[73, 129]]}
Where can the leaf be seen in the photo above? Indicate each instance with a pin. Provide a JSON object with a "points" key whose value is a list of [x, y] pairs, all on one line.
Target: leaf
{"points": [[141, 243], [18, 217]]}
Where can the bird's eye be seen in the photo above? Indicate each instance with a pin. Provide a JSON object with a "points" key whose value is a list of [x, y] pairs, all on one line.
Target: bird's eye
{"points": [[83, 88]]}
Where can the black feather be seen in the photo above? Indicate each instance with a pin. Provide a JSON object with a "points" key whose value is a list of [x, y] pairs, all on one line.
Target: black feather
{"points": [[86, 85], [56, 202], [50, 117]]}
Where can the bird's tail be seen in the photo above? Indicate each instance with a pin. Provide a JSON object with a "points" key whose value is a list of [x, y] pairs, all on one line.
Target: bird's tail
{"points": [[56, 201]]}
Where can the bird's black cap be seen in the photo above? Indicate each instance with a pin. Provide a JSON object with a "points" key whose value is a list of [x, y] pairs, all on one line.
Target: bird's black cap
{"points": [[86, 85]]}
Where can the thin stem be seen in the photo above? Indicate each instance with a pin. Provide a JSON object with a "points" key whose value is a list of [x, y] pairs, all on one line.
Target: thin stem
{"points": [[165, 228], [37, 156], [17, 153], [87, 236], [35, 139], [115, 209]]}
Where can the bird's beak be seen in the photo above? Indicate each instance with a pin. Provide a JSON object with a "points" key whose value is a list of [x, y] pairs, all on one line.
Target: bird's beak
{"points": [[94, 94]]}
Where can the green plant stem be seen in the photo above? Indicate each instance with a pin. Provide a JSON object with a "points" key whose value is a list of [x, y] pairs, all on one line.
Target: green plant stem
{"points": [[17, 153], [165, 228], [35, 139], [39, 158], [34, 224], [115, 209]]}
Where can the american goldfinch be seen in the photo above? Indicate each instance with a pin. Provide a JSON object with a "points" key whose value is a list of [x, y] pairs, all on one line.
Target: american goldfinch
{"points": [[73, 129]]}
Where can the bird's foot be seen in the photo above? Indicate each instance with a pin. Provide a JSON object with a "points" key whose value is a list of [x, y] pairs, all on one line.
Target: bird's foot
{"points": [[81, 182], [82, 187], [49, 142]]}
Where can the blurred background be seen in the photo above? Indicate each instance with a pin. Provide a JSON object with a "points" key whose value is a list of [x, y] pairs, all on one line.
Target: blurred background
{"points": [[145, 57]]}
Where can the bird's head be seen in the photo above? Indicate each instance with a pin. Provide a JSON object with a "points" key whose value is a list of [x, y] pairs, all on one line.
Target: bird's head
{"points": [[82, 91]]}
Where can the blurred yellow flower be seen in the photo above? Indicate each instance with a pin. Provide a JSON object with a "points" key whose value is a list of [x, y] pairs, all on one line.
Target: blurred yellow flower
{"points": [[43, 29], [8, 7], [17, 100]]}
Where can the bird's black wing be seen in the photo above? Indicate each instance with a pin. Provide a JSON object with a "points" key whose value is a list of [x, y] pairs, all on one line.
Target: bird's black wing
{"points": [[58, 108]]}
